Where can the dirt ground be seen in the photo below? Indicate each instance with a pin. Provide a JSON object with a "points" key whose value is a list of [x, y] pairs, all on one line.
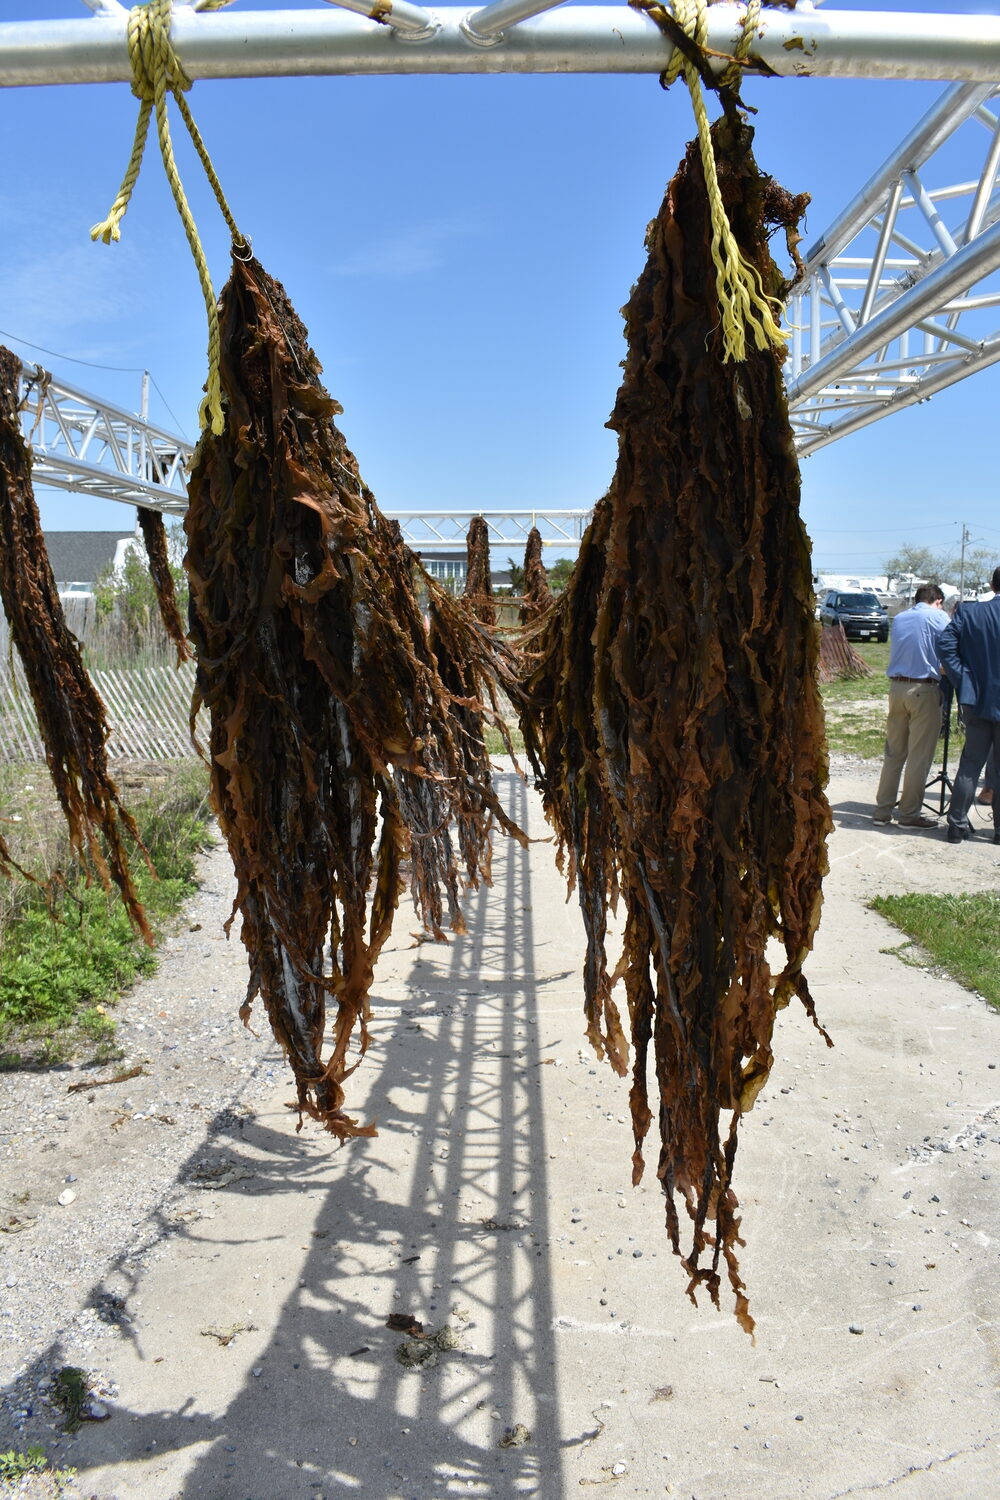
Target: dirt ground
{"points": [[227, 1281]]}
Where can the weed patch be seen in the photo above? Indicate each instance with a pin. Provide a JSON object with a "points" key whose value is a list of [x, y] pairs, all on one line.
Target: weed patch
{"points": [[63, 969], [957, 932]]}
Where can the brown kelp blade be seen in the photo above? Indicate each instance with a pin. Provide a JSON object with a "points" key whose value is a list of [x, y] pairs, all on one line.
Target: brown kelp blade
{"points": [[154, 534], [686, 766], [838, 660], [70, 714], [537, 596], [334, 750], [478, 592]]}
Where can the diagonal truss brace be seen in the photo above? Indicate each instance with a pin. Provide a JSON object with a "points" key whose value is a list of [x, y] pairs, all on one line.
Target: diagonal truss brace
{"points": [[902, 293]]}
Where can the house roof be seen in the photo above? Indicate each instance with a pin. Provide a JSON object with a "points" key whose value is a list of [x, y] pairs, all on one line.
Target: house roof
{"points": [[81, 556]]}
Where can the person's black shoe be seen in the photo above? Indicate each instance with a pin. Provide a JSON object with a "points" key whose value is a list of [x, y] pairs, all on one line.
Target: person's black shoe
{"points": [[957, 835]]}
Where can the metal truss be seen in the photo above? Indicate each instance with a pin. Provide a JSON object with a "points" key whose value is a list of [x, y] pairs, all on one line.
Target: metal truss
{"points": [[447, 529], [902, 294], [508, 36], [79, 442]]}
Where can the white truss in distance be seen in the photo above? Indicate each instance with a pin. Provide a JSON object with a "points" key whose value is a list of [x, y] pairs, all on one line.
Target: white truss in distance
{"points": [[902, 293], [428, 531], [79, 442]]}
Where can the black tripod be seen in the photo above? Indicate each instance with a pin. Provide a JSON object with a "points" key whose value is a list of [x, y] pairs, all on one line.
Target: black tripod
{"points": [[942, 779]]}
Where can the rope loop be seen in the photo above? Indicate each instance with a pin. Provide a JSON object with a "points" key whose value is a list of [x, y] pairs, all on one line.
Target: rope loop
{"points": [[157, 72], [743, 305]]}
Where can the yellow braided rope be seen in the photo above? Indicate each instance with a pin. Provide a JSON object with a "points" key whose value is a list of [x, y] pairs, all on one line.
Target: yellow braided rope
{"points": [[156, 72], [743, 304], [730, 79]]}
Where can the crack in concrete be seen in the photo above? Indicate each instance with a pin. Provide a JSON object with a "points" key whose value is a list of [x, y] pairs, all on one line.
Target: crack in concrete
{"points": [[888, 1484]]}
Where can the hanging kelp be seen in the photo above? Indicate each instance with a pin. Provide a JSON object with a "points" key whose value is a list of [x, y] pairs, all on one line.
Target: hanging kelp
{"points": [[70, 714], [478, 592], [537, 596], [479, 672], [838, 660], [562, 743], [154, 534], [677, 701], [334, 750]]}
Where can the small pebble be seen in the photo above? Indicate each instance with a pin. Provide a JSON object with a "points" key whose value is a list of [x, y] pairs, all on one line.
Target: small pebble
{"points": [[66, 1197], [855, 1328]]}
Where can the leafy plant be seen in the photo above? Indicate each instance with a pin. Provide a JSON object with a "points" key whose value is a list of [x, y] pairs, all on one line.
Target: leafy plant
{"points": [[62, 965], [559, 573], [128, 629], [15, 1465]]}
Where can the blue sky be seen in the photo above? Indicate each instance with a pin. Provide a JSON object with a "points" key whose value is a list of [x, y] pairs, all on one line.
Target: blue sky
{"points": [[459, 249]]}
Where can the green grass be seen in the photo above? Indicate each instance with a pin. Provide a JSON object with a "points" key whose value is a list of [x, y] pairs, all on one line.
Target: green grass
{"points": [[495, 744], [856, 708], [876, 654], [60, 977], [959, 933]]}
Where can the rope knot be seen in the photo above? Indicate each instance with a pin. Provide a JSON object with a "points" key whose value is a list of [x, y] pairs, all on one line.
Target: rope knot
{"points": [[151, 53], [744, 307]]}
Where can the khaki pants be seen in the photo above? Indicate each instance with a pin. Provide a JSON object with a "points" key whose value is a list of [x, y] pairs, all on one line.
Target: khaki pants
{"points": [[911, 736]]}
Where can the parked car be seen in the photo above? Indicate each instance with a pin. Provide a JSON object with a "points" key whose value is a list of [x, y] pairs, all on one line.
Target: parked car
{"points": [[862, 616]]}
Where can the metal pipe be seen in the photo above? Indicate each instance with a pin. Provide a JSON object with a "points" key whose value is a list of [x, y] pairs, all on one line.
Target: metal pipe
{"points": [[950, 336], [575, 39], [486, 25], [986, 184], [412, 20], [962, 270], [923, 140], [881, 251], [949, 376], [847, 319], [934, 220]]}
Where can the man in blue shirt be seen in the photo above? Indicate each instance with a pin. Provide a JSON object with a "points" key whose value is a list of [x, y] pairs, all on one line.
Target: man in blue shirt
{"points": [[914, 722], [970, 654]]}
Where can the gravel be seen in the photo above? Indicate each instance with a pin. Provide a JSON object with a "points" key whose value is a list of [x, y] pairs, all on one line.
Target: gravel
{"points": [[137, 1153]]}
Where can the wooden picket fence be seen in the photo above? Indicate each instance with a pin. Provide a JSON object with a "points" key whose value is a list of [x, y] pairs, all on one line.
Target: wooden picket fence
{"points": [[147, 709]]}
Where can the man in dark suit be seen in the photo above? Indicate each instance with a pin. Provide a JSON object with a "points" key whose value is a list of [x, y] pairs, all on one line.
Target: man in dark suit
{"points": [[969, 649]]}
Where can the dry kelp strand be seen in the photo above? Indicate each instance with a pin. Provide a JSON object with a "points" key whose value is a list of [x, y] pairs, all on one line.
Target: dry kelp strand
{"points": [[337, 753], [70, 714], [154, 535], [478, 590], [537, 598], [676, 722]]}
